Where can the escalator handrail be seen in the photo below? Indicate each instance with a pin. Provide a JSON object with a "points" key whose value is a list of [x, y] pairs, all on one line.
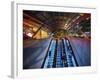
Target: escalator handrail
{"points": [[46, 54]]}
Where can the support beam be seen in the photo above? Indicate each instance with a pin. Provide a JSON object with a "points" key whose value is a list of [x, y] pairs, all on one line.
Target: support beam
{"points": [[36, 31]]}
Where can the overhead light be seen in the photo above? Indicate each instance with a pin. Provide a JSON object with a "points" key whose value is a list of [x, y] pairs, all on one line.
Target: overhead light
{"points": [[29, 34], [65, 24], [81, 14], [87, 18], [35, 29]]}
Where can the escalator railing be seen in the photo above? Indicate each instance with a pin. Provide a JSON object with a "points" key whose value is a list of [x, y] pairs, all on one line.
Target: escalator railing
{"points": [[48, 61], [71, 60], [59, 54]]}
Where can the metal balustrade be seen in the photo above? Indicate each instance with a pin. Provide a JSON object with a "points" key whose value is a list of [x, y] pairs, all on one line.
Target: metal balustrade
{"points": [[60, 55]]}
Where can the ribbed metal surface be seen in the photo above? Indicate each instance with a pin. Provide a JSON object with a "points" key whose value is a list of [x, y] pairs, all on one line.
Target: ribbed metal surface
{"points": [[60, 55]]}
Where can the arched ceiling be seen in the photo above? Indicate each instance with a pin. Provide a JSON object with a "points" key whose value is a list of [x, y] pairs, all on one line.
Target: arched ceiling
{"points": [[56, 20]]}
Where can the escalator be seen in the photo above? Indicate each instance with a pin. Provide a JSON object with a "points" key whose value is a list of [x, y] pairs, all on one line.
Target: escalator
{"points": [[59, 55], [71, 60]]}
